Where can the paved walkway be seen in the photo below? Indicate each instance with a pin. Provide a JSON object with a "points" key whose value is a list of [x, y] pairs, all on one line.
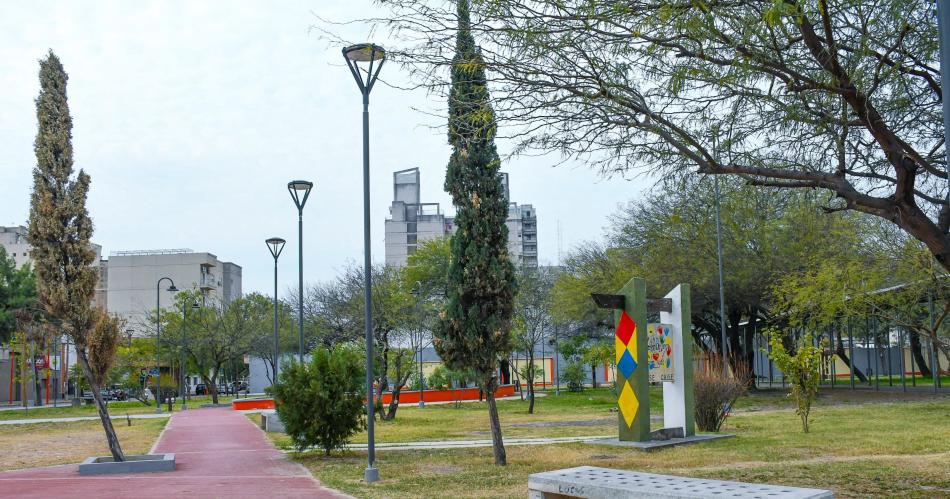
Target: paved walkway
{"points": [[115, 417], [463, 444], [219, 453]]}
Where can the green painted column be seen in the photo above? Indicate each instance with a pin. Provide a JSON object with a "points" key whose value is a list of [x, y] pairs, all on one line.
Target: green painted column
{"points": [[632, 379]]}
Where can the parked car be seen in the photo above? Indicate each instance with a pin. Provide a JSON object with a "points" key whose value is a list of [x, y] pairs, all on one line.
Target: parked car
{"points": [[201, 389]]}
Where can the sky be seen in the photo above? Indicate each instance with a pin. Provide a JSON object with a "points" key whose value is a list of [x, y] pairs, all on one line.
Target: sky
{"points": [[191, 117]]}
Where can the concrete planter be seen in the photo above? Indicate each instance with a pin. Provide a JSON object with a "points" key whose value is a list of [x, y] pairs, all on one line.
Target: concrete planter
{"points": [[271, 423], [132, 464]]}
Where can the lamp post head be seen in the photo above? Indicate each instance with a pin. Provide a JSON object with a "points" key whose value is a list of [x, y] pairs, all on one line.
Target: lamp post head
{"points": [[195, 305], [299, 192], [172, 288], [275, 245], [369, 53], [416, 289]]}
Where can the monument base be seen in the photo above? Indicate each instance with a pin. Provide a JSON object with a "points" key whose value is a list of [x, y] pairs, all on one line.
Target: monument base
{"points": [[660, 444]]}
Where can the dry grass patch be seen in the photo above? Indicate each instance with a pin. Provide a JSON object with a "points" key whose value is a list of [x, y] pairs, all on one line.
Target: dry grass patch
{"points": [[886, 449], [46, 444]]}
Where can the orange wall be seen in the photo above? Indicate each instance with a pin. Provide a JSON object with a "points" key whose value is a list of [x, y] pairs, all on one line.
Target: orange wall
{"points": [[405, 397]]}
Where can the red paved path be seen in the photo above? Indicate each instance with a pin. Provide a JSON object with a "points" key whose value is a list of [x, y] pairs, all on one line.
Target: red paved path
{"points": [[219, 453]]}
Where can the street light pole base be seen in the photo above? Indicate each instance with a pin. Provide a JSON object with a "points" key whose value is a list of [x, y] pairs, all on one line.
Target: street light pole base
{"points": [[421, 404], [158, 410], [371, 474]]}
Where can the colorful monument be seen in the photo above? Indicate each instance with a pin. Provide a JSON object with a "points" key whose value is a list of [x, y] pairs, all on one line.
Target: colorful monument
{"points": [[654, 352]]}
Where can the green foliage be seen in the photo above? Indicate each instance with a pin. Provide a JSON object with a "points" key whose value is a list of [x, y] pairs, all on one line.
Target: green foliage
{"points": [[429, 266], [321, 402], [443, 378], [574, 376], [17, 293], [474, 330], [802, 369], [599, 353]]}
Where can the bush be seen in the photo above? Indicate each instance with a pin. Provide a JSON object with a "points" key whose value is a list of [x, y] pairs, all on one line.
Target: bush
{"points": [[715, 392], [439, 379], [574, 376], [322, 403], [802, 370]]}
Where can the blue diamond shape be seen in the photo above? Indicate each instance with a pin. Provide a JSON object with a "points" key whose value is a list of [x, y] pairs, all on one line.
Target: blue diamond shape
{"points": [[626, 364]]}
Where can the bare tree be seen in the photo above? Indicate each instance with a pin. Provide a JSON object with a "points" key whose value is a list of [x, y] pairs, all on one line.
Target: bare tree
{"points": [[838, 96]]}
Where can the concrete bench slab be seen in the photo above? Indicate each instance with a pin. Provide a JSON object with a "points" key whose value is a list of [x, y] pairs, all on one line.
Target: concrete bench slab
{"points": [[132, 464], [604, 483], [271, 423]]}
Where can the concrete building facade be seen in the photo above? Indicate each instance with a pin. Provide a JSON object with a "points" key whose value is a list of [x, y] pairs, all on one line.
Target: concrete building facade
{"points": [[132, 277], [411, 222]]}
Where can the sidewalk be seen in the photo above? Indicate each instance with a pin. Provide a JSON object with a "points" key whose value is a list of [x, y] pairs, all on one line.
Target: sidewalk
{"points": [[465, 444], [73, 419], [219, 453]]}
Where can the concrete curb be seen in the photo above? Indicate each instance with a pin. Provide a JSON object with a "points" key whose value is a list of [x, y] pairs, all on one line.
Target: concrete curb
{"points": [[132, 464]]}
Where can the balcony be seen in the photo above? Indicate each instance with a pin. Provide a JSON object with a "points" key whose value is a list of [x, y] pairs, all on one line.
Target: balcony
{"points": [[208, 281]]}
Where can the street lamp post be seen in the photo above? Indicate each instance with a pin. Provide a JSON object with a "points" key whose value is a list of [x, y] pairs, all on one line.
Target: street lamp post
{"points": [[184, 342], [370, 54], [299, 192], [417, 292], [158, 339], [275, 245]]}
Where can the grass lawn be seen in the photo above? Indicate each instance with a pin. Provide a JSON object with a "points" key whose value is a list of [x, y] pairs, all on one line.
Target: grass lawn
{"points": [[44, 444], [115, 409], [861, 444]]}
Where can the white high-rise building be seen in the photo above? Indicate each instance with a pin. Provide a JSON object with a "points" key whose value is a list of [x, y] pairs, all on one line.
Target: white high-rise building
{"points": [[411, 222]]}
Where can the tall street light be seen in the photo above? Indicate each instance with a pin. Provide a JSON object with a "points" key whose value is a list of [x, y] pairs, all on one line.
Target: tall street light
{"points": [[158, 339], [184, 343], [416, 293], [299, 192], [722, 285], [275, 245], [365, 60]]}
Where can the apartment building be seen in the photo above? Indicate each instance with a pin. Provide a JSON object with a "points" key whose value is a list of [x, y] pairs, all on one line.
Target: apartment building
{"points": [[412, 222]]}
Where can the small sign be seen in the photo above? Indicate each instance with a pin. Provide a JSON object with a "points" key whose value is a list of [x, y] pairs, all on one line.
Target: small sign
{"points": [[660, 352], [153, 371], [40, 363]]}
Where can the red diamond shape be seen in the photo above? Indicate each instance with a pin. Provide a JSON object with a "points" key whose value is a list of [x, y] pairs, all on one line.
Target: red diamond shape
{"points": [[625, 328]]}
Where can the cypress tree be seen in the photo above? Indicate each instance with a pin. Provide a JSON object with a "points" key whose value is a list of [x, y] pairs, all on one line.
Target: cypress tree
{"points": [[474, 330], [59, 233]]}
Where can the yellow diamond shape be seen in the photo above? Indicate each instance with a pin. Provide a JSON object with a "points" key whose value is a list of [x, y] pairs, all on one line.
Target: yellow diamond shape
{"points": [[628, 403], [619, 347]]}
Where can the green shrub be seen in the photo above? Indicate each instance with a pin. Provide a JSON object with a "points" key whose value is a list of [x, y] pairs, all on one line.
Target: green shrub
{"points": [[439, 379], [322, 403], [574, 376], [802, 370]]}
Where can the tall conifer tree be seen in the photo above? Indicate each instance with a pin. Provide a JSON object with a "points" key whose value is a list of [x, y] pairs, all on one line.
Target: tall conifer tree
{"points": [[59, 233], [475, 329]]}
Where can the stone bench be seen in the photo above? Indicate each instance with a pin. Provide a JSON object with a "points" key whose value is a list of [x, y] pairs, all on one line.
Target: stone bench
{"points": [[603, 483]]}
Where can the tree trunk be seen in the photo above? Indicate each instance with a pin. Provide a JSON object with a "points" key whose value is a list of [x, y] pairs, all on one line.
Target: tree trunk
{"points": [[593, 375], [114, 447], [505, 371], [530, 382], [498, 444], [917, 351], [843, 355]]}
